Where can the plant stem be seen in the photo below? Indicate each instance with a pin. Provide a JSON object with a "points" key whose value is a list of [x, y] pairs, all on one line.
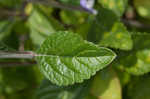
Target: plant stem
{"points": [[19, 55], [136, 24], [56, 4], [16, 64]]}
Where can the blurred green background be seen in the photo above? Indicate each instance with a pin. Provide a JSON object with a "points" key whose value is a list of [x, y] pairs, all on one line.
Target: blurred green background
{"points": [[122, 25]]}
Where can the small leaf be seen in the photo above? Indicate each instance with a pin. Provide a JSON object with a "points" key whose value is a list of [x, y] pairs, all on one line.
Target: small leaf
{"points": [[118, 37], [136, 62], [79, 22], [143, 8], [5, 28], [4, 47], [139, 89], [110, 32], [48, 90], [99, 25], [106, 85], [140, 62], [41, 25], [17, 83], [118, 6], [10, 3], [65, 58], [73, 18]]}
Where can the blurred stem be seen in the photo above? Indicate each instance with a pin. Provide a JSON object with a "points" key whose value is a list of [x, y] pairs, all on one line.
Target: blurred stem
{"points": [[15, 64], [6, 13], [19, 55], [22, 40], [136, 24], [57, 4]]}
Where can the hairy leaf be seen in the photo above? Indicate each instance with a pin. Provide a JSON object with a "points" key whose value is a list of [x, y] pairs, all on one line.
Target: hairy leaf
{"points": [[65, 58]]}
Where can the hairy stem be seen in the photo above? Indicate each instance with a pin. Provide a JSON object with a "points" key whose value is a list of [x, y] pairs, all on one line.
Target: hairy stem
{"points": [[19, 55]]}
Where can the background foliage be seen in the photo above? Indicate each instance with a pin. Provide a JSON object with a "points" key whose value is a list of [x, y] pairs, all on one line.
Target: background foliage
{"points": [[79, 54]]}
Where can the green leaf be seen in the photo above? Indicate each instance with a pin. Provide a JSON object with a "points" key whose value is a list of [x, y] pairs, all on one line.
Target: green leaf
{"points": [[143, 8], [99, 25], [106, 85], [140, 62], [118, 37], [140, 88], [17, 78], [41, 25], [74, 18], [79, 22], [124, 76], [65, 58], [21, 27], [10, 3], [5, 28], [117, 6], [110, 32], [4, 47], [5, 32], [136, 62], [18, 82], [48, 90]]}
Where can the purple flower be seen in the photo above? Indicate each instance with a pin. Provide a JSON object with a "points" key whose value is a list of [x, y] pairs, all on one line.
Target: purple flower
{"points": [[88, 5]]}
